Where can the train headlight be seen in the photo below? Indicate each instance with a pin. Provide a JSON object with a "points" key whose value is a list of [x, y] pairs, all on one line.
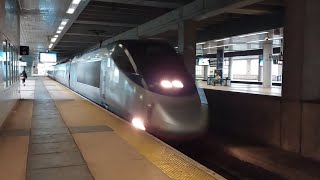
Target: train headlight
{"points": [[171, 84], [166, 84], [177, 84], [138, 123]]}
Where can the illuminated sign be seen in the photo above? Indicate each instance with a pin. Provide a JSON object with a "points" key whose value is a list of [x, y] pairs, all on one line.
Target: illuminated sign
{"points": [[48, 57], [22, 63], [203, 61]]}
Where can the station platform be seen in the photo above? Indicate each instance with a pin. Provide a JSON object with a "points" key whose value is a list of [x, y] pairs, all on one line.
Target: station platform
{"points": [[243, 88], [53, 133]]}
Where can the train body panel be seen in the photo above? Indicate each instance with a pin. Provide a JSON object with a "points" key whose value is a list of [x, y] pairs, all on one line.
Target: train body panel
{"points": [[114, 77], [61, 73]]}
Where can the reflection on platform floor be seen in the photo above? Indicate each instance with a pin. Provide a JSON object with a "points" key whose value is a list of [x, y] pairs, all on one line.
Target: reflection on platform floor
{"points": [[244, 88]]}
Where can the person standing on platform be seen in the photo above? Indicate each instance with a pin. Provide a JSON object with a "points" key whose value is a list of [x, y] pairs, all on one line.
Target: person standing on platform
{"points": [[23, 76]]}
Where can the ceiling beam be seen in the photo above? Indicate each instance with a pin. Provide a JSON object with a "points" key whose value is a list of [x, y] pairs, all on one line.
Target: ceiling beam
{"points": [[102, 23], [240, 26], [248, 11], [196, 10], [78, 41], [82, 34], [150, 3]]}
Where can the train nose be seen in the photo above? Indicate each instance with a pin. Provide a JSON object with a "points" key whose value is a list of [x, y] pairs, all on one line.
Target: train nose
{"points": [[181, 116]]}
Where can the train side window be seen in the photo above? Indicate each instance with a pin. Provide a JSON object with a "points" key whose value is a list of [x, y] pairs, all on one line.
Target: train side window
{"points": [[122, 60]]}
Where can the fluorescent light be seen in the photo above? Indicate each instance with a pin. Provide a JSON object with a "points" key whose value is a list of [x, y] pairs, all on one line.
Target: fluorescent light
{"points": [[252, 34], [256, 41], [50, 46], [60, 27], [71, 10], [219, 46], [277, 38], [53, 40], [58, 32], [201, 43], [64, 22], [56, 36], [221, 39], [76, 1]]}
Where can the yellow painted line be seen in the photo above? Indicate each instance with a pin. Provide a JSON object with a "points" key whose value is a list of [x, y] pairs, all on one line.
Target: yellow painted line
{"points": [[173, 163], [108, 156]]}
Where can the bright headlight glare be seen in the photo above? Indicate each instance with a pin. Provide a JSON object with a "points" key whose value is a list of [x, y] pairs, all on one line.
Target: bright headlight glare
{"points": [[138, 123], [166, 84], [177, 84]]}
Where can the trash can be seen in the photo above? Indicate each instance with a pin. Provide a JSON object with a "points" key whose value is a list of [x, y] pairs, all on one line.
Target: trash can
{"points": [[210, 80], [227, 82]]}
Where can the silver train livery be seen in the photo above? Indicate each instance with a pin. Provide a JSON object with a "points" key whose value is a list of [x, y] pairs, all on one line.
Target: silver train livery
{"points": [[145, 82]]}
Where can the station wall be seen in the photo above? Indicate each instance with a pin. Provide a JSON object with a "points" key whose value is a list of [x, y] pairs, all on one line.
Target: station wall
{"points": [[255, 118], [259, 119], [9, 75]]}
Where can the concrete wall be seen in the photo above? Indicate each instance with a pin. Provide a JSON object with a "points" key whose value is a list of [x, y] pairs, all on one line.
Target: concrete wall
{"points": [[257, 118], [310, 130], [10, 30]]}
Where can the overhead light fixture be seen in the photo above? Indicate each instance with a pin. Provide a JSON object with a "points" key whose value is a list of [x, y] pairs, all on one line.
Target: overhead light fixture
{"points": [[53, 40], [219, 46], [252, 34], [256, 41], [76, 1], [64, 22], [56, 36], [58, 32], [71, 10], [277, 38], [60, 27], [73, 6], [50, 46], [221, 39], [201, 43]]}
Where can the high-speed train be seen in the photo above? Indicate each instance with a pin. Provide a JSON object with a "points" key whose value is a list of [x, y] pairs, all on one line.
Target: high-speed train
{"points": [[143, 81]]}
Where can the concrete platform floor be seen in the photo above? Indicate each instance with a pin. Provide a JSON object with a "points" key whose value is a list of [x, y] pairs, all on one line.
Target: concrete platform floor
{"points": [[53, 133], [243, 88]]}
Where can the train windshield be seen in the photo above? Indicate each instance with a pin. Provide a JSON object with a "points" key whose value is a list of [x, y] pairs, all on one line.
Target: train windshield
{"points": [[157, 61]]}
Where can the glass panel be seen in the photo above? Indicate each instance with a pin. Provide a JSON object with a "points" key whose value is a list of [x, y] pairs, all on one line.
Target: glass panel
{"points": [[8, 64], [5, 67], [255, 67], [122, 61], [239, 67]]}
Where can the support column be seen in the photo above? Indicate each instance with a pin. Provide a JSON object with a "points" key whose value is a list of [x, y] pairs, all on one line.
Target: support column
{"points": [[260, 68], [187, 44], [249, 67], [267, 63], [205, 73], [220, 58], [230, 68], [300, 102]]}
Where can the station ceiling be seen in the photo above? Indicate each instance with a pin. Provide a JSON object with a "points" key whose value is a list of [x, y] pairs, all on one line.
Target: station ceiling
{"points": [[103, 19], [39, 20], [99, 20]]}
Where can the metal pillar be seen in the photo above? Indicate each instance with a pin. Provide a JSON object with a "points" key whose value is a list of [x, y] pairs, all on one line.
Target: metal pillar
{"points": [[187, 44], [205, 73], [230, 68], [220, 57], [267, 63]]}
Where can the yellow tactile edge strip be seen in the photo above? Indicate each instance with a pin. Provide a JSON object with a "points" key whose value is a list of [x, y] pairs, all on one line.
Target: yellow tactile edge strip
{"points": [[172, 162]]}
